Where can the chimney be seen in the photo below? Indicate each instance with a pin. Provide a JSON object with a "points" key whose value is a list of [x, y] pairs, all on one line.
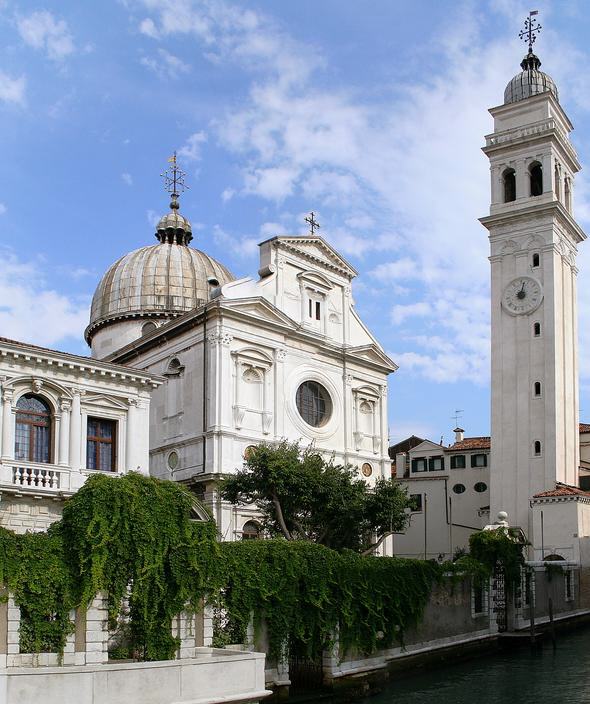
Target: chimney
{"points": [[401, 465], [458, 434]]}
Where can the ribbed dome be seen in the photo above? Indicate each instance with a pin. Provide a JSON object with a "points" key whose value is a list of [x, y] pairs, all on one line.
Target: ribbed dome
{"points": [[529, 82], [162, 280]]}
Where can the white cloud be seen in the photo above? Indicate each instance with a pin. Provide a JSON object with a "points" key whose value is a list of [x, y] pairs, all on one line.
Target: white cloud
{"points": [[236, 247], [275, 183], [127, 179], [25, 300], [227, 194], [12, 90], [404, 268], [148, 28], [191, 149], [153, 217], [42, 30], [3, 208], [165, 65], [400, 313]]}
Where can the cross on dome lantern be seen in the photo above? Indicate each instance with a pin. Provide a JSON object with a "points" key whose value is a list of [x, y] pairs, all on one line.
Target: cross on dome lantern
{"points": [[531, 30], [174, 181]]}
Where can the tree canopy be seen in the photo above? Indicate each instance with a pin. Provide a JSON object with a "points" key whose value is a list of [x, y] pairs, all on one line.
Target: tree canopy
{"points": [[301, 496]]}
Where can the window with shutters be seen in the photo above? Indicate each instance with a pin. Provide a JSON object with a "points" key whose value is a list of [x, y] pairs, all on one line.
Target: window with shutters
{"points": [[436, 464], [457, 461], [480, 460], [419, 464]]}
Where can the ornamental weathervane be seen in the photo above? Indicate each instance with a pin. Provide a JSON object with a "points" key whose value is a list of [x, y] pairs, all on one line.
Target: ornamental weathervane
{"points": [[531, 29], [174, 181], [313, 224]]}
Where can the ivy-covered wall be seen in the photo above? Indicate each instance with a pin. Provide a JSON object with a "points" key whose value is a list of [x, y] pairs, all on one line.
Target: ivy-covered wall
{"points": [[132, 538]]}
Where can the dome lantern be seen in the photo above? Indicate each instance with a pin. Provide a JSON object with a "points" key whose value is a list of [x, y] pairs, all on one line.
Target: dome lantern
{"points": [[531, 81], [158, 282]]}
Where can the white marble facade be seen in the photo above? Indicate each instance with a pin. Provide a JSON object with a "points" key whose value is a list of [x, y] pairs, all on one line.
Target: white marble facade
{"points": [[34, 481], [234, 366]]}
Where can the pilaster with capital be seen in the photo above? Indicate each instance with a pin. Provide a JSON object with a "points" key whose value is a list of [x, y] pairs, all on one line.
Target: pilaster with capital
{"points": [[7, 425], [75, 430], [65, 406], [130, 460]]}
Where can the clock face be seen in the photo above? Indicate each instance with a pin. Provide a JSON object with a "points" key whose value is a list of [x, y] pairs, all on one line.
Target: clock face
{"points": [[522, 295]]}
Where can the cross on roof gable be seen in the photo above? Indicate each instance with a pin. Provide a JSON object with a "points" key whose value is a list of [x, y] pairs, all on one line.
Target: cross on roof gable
{"points": [[314, 249]]}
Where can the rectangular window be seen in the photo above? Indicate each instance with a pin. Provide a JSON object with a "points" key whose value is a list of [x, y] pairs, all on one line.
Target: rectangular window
{"points": [[457, 461], [436, 464], [318, 309], [419, 464], [479, 460], [101, 444], [416, 502], [310, 308]]}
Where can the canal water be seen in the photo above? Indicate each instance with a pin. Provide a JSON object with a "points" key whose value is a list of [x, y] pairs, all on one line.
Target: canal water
{"points": [[515, 676]]}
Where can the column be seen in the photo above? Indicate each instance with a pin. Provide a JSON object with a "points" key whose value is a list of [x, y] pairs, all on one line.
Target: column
{"points": [[7, 425], [75, 430], [130, 463], [64, 432]]}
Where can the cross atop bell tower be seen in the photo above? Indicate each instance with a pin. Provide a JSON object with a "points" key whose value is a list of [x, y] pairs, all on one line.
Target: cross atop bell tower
{"points": [[533, 242]]}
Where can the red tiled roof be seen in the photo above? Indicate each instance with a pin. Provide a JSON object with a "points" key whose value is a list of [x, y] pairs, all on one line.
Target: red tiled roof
{"points": [[585, 427], [562, 490], [480, 443]]}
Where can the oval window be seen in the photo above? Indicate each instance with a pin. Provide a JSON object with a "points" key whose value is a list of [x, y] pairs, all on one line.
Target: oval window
{"points": [[314, 403], [480, 487], [459, 488], [173, 460], [366, 469], [248, 451]]}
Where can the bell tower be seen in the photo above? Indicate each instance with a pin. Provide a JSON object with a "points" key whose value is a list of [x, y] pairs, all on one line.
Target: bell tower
{"points": [[533, 245]]}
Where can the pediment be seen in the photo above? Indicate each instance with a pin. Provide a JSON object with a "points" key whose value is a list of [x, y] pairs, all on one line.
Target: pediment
{"points": [[258, 308], [105, 401], [372, 353], [426, 446], [317, 251]]}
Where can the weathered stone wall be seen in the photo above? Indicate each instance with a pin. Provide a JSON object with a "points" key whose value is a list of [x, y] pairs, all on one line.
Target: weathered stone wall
{"points": [[22, 514]]}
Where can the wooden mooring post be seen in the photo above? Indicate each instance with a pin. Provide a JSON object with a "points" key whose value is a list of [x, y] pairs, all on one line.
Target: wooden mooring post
{"points": [[551, 623]]}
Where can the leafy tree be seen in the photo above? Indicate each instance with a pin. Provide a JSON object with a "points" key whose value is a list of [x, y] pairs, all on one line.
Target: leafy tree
{"points": [[301, 496]]}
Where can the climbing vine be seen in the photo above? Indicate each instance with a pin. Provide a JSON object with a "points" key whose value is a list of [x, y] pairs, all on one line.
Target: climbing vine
{"points": [[305, 593], [499, 547], [132, 538]]}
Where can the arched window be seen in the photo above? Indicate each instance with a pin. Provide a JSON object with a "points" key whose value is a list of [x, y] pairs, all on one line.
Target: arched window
{"points": [[557, 177], [509, 180], [174, 368], [148, 327], [32, 442], [536, 260], [537, 448], [537, 388], [537, 329], [251, 531], [536, 178], [568, 194]]}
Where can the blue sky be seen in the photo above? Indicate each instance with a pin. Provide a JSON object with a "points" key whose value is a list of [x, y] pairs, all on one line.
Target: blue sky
{"points": [[371, 113]]}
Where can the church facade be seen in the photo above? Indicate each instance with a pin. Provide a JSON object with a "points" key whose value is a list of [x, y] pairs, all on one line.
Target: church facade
{"points": [[283, 356]]}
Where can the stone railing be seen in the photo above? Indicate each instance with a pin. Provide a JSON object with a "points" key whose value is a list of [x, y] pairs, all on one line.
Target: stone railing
{"points": [[42, 477]]}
